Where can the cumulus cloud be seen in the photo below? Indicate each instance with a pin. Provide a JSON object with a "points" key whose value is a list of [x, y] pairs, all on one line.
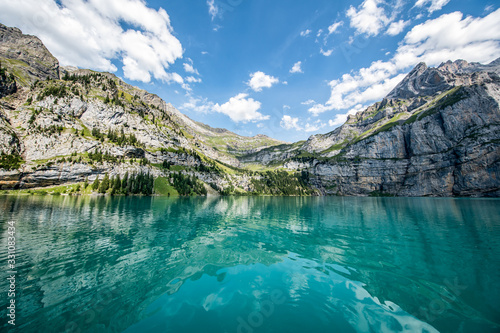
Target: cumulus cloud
{"points": [[297, 67], [198, 104], [190, 69], [451, 37], [289, 122], [259, 80], [314, 127], [326, 53], [92, 36], [435, 5], [305, 33], [397, 27], [240, 108], [340, 119], [334, 27], [192, 79], [448, 37], [369, 18]]}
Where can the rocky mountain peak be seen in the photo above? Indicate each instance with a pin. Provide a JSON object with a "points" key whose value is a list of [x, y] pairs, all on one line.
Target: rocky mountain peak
{"points": [[463, 67], [27, 56], [427, 81], [421, 81], [458, 66]]}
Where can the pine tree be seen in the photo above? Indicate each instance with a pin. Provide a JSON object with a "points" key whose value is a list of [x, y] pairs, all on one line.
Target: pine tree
{"points": [[95, 184], [104, 184], [117, 184], [124, 183]]}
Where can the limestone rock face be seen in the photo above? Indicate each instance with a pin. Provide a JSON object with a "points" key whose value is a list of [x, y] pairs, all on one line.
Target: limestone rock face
{"points": [[436, 134], [27, 55], [7, 84], [55, 118]]}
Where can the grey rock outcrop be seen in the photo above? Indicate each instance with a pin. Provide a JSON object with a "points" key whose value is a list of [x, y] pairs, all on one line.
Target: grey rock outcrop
{"points": [[27, 55], [53, 119], [436, 134], [7, 84]]}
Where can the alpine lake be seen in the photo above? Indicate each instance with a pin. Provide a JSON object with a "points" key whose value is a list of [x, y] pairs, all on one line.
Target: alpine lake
{"points": [[251, 264]]}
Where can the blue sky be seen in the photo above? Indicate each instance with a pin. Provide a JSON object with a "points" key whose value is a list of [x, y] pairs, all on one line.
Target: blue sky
{"points": [[287, 69]]}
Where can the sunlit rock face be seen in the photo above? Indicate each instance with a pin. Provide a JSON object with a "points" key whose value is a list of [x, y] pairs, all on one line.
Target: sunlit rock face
{"points": [[436, 134]]}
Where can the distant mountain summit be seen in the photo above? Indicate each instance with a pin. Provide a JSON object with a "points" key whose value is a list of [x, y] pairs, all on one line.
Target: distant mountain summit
{"points": [[424, 81]]}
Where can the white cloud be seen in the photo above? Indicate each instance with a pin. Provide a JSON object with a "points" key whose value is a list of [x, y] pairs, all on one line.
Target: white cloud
{"points": [[333, 28], [297, 67], [305, 33], [435, 5], [369, 18], [213, 10], [340, 119], [174, 77], [192, 79], [308, 102], [259, 80], [320, 32], [397, 27], [326, 53], [190, 69], [241, 109], [198, 105], [451, 37], [92, 37], [314, 127], [448, 37], [286, 107], [289, 122]]}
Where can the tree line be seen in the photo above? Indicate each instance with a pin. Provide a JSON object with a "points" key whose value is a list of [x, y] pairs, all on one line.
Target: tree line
{"points": [[188, 185], [282, 183], [140, 183]]}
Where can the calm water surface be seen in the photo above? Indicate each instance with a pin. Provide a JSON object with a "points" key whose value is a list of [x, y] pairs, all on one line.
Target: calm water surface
{"points": [[253, 264]]}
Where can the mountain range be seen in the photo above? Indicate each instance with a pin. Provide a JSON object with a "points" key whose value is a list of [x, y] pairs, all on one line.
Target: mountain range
{"points": [[437, 133]]}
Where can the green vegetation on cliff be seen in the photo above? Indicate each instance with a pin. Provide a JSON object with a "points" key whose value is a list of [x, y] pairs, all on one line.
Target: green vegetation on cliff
{"points": [[10, 161], [282, 183]]}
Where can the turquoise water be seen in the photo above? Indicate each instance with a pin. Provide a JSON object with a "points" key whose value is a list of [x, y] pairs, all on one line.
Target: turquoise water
{"points": [[253, 264]]}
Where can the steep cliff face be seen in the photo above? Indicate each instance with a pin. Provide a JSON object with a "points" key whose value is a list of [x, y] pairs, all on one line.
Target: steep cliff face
{"points": [[436, 134]]}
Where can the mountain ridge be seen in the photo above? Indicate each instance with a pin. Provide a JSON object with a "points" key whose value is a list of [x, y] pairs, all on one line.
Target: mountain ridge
{"points": [[435, 134]]}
